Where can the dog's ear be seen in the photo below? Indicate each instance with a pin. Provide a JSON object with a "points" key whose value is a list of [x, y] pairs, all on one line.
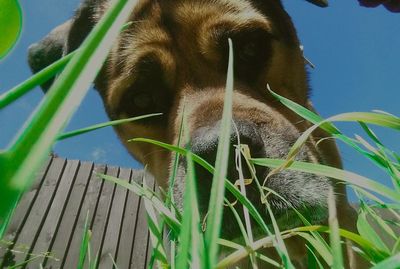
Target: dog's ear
{"points": [[48, 50], [62, 40]]}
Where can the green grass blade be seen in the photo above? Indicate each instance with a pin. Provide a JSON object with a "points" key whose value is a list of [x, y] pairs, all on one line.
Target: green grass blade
{"points": [[385, 120], [113, 261], [366, 117], [242, 252], [305, 113], [35, 80], [239, 169], [93, 265], [221, 165], [236, 246], [313, 260], [318, 247], [332, 172], [331, 129], [390, 263], [103, 125], [39, 78], [334, 235], [198, 251], [396, 246], [391, 207], [191, 241], [170, 194], [26, 262], [84, 244], [369, 248], [380, 153], [155, 234], [243, 231], [365, 229], [370, 133], [280, 244]]}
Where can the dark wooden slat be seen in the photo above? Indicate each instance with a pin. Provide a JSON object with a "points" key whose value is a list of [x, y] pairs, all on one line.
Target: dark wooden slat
{"points": [[54, 215], [114, 224], [141, 239], [37, 215], [72, 211], [149, 253], [101, 217], [22, 211], [139, 251], [128, 225], [91, 198]]}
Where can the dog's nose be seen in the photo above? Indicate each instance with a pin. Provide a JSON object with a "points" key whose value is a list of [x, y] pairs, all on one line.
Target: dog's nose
{"points": [[205, 143], [205, 140]]}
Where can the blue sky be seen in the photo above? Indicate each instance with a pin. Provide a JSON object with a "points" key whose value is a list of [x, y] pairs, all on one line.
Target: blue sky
{"points": [[356, 52]]}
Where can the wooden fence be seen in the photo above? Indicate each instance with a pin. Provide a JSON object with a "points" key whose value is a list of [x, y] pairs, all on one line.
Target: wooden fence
{"points": [[47, 227]]}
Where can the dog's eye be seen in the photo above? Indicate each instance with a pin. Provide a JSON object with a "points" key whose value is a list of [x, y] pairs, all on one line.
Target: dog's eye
{"points": [[142, 100], [252, 50], [148, 94], [248, 51]]}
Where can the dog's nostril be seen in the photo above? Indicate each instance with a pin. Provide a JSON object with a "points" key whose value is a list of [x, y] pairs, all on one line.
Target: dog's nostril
{"points": [[250, 136], [205, 139]]}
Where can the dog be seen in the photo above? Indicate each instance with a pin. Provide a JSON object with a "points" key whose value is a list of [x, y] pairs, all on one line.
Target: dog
{"points": [[173, 58]]}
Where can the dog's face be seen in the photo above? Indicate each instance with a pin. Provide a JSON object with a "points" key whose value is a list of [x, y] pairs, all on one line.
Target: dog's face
{"points": [[173, 59]]}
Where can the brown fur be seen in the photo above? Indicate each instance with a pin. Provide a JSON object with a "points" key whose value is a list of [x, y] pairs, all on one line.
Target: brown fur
{"points": [[173, 57]]}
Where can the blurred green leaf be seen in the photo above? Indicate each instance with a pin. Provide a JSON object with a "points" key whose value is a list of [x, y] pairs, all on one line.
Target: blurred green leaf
{"points": [[10, 25], [390, 263]]}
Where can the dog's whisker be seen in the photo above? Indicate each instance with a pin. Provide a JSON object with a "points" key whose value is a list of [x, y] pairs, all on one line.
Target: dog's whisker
{"points": [[299, 122]]}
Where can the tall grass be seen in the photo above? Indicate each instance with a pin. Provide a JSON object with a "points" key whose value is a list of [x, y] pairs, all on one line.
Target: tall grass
{"points": [[192, 244]]}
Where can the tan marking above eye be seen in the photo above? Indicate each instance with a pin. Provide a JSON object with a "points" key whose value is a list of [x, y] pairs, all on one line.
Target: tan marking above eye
{"points": [[212, 31], [163, 59]]}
